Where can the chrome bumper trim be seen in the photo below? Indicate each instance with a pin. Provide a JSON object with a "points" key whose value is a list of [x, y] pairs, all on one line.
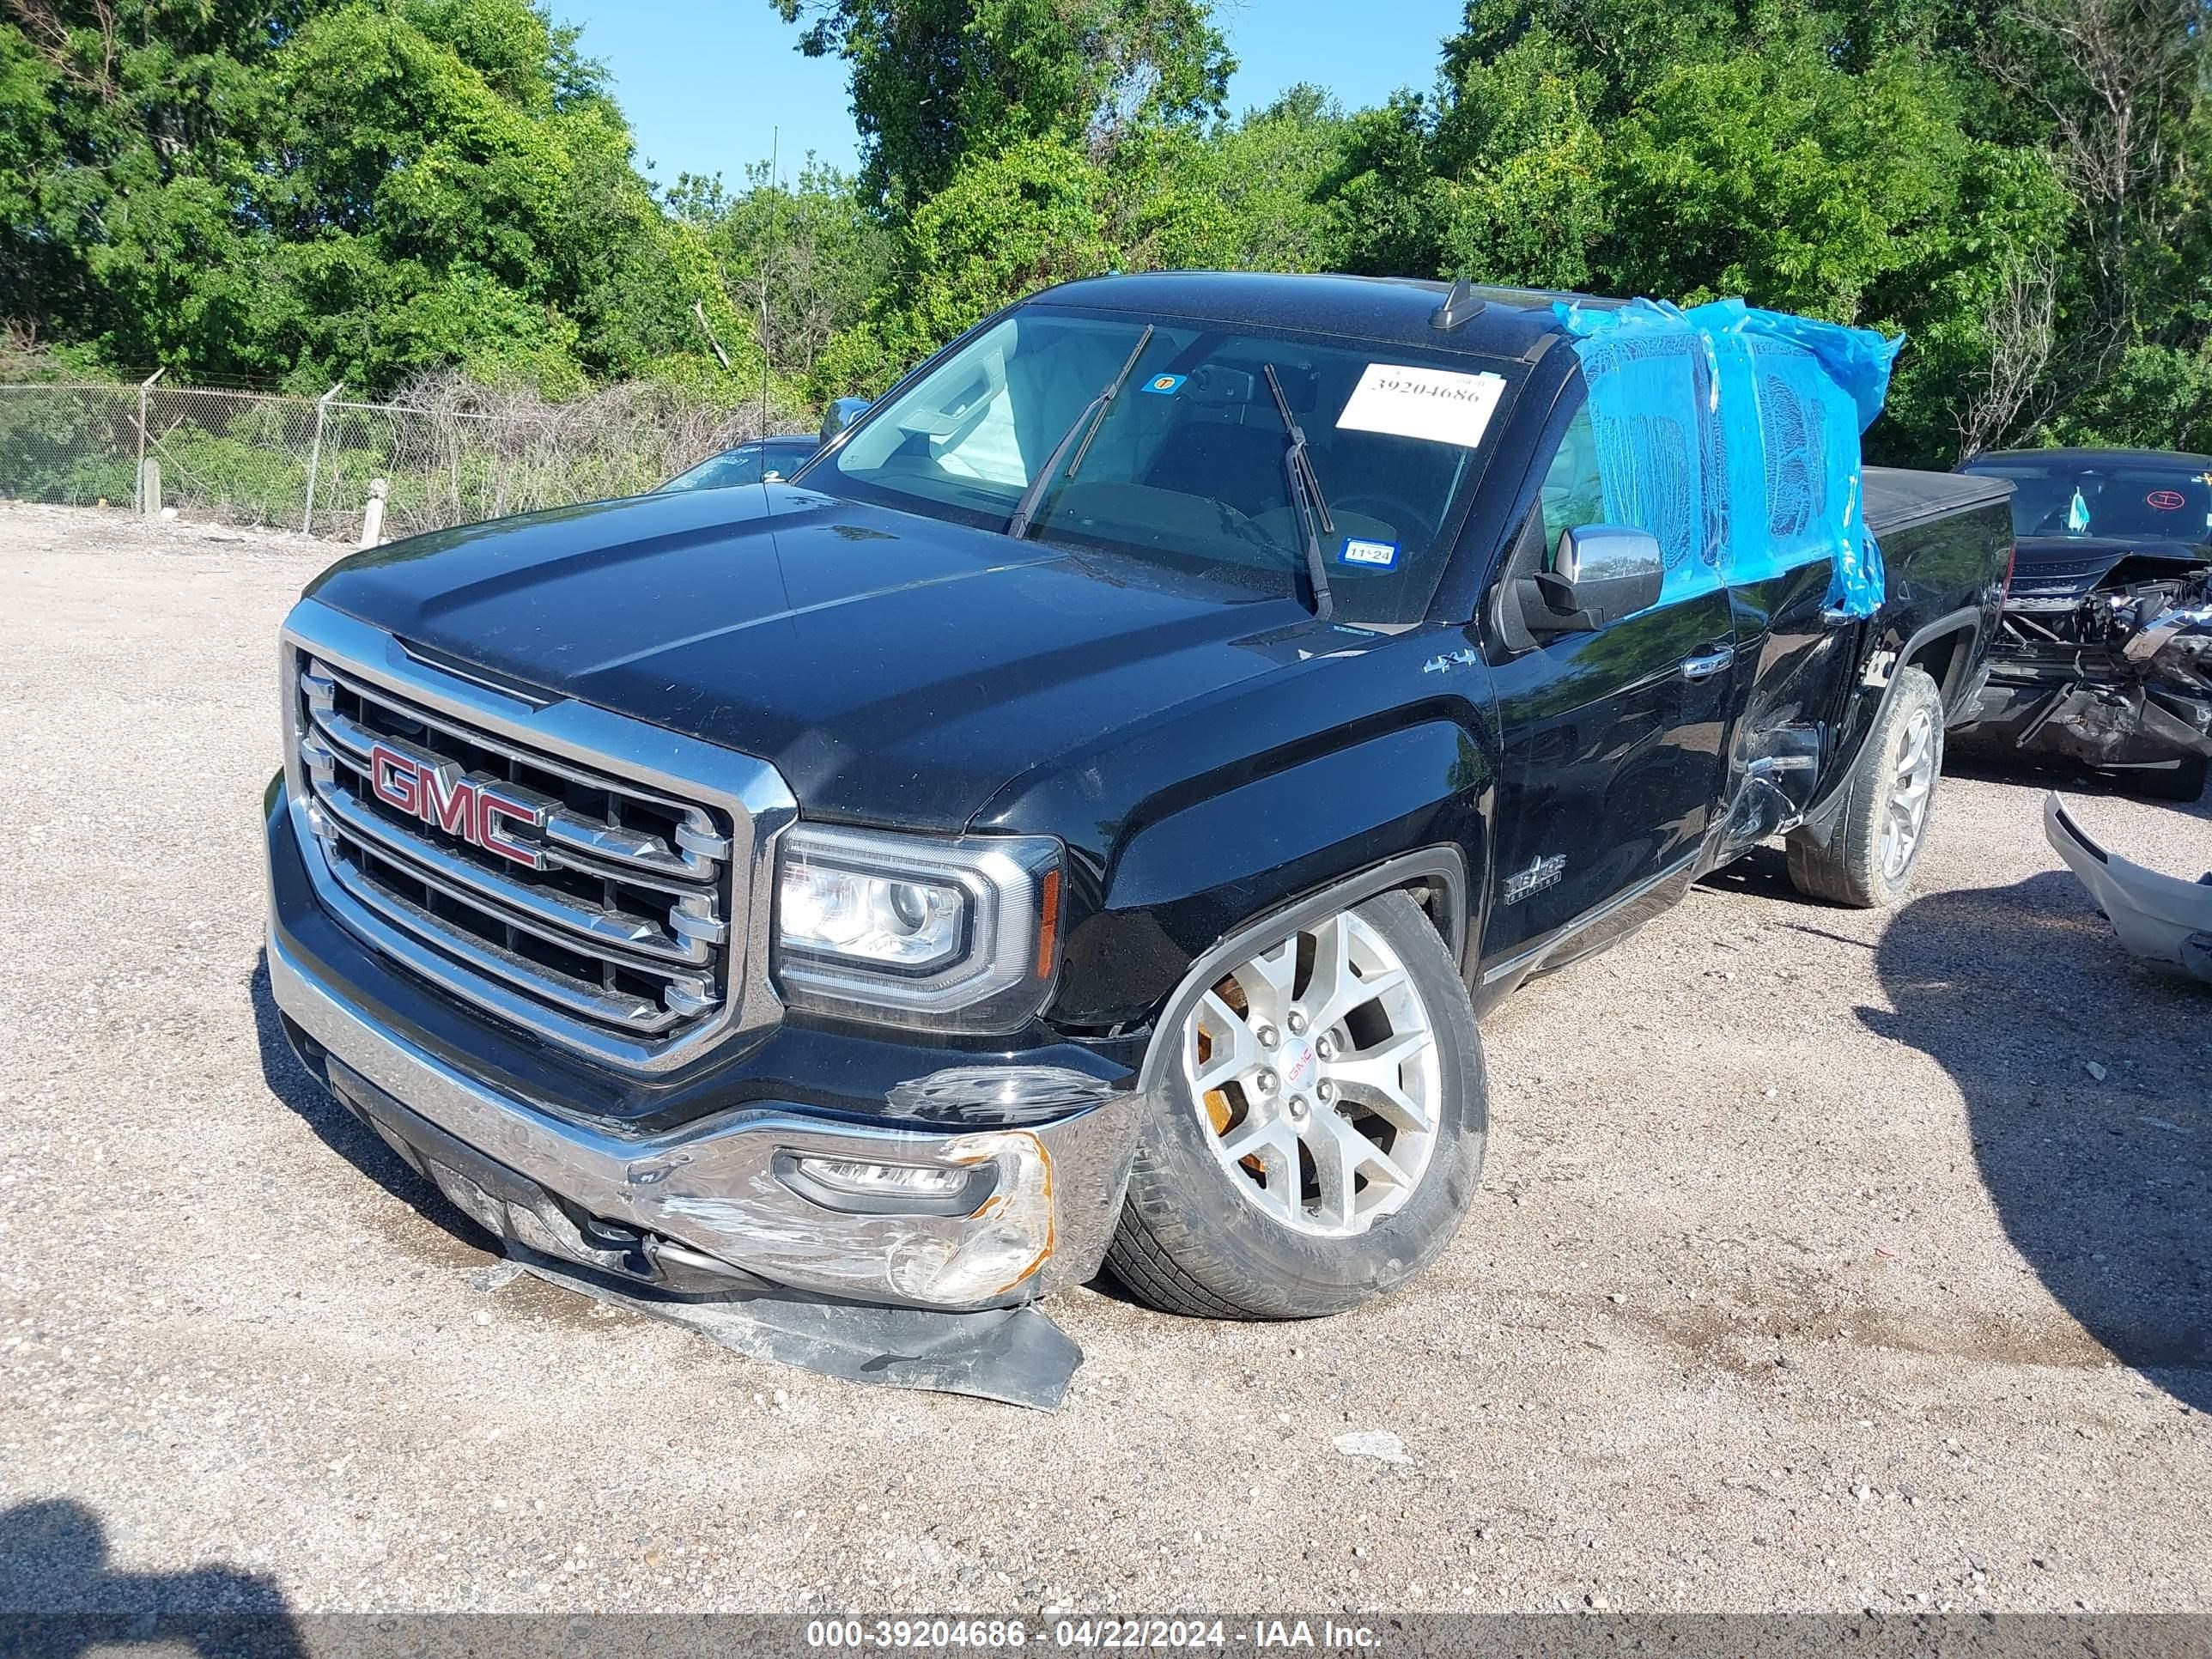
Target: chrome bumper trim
{"points": [[713, 1185]]}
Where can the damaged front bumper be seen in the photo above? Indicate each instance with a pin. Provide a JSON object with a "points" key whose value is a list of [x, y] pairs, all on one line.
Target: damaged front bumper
{"points": [[971, 1181], [2129, 699], [2162, 919], [2096, 723], [747, 1196]]}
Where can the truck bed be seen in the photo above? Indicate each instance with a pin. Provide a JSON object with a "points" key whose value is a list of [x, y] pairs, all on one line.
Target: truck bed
{"points": [[1897, 498]]}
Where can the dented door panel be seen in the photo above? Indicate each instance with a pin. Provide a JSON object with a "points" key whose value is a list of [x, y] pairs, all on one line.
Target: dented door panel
{"points": [[1799, 662]]}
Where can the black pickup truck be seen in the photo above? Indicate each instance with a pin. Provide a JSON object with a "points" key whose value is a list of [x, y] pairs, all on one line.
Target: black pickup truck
{"points": [[1080, 819]]}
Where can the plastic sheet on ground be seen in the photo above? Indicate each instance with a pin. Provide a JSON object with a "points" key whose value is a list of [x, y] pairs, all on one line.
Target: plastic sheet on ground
{"points": [[1732, 434], [1017, 1355]]}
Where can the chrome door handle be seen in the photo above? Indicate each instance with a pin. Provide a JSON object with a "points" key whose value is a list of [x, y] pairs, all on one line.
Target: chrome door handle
{"points": [[1711, 663]]}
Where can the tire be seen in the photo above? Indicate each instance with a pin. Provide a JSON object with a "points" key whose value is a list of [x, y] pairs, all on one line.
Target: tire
{"points": [[1201, 1234], [2184, 781], [1858, 866]]}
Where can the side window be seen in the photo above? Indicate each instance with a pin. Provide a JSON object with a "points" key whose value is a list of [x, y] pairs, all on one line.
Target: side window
{"points": [[1571, 495]]}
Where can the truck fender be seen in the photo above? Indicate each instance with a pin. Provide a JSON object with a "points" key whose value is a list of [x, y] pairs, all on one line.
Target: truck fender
{"points": [[1178, 883]]}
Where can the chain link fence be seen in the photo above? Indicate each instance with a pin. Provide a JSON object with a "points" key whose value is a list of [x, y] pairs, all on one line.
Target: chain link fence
{"points": [[452, 452]]}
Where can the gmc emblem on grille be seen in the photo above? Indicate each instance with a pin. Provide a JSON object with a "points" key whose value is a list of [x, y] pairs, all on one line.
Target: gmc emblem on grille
{"points": [[440, 793]]}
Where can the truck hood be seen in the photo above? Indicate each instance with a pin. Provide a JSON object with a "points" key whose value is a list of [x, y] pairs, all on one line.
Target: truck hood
{"points": [[897, 669], [2052, 569]]}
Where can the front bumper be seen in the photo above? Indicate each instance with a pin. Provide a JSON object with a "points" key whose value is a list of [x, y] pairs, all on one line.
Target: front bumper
{"points": [[2091, 722], [721, 1201], [2162, 919], [713, 1200]]}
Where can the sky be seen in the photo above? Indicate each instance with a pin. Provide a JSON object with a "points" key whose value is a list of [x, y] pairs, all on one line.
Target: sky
{"points": [[711, 85]]}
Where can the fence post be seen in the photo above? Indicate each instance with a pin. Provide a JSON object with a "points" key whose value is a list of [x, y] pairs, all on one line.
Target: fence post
{"points": [[372, 515], [145, 387], [315, 458]]}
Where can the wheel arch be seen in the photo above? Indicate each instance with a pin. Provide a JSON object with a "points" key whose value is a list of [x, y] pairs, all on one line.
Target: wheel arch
{"points": [[1944, 651], [1434, 878], [1951, 639]]}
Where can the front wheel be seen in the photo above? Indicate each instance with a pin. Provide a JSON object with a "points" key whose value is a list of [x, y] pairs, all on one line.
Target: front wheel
{"points": [[1319, 1135], [1875, 844]]}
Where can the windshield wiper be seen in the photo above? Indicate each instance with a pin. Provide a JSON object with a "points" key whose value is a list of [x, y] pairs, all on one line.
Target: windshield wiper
{"points": [[1305, 493], [1085, 427]]}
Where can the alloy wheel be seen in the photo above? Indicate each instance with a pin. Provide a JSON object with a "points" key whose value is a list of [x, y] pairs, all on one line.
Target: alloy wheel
{"points": [[1912, 788], [1317, 1072]]}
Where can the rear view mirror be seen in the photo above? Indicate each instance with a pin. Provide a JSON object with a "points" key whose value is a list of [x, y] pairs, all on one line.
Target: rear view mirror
{"points": [[1212, 383], [1221, 385], [1600, 573], [840, 414]]}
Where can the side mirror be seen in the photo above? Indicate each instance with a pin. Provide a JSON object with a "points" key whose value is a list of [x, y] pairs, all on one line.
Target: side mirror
{"points": [[1602, 572], [840, 414]]}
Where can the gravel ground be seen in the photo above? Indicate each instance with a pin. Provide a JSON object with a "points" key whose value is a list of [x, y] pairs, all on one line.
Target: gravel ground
{"points": [[1823, 1261]]}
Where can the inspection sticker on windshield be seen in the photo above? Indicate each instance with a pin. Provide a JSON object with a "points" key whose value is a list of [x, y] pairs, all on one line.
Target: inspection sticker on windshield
{"points": [[1379, 556], [1434, 404], [1165, 384]]}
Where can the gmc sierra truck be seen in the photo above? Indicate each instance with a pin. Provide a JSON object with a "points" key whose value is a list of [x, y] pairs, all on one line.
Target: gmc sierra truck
{"points": [[1080, 819]]}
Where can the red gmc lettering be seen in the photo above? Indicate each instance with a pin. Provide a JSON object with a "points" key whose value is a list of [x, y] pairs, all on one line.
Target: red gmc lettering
{"points": [[441, 795], [493, 808], [449, 800], [391, 777]]}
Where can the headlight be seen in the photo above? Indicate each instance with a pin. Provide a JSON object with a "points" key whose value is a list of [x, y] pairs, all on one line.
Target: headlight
{"points": [[956, 934]]}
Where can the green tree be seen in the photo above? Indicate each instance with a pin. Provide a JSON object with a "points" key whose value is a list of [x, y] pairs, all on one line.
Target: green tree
{"points": [[1848, 162], [1264, 177], [354, 191], [1524, 195], [1776, 176], [1385, 216], [937, 81], [808, 255], [1006, 224]]}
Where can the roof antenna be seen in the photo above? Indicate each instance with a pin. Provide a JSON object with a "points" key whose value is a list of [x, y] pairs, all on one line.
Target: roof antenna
{"points": [[1458, 304]]}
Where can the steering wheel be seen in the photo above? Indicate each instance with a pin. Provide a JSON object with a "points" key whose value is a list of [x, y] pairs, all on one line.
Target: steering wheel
{"points": [[1401, 516]]}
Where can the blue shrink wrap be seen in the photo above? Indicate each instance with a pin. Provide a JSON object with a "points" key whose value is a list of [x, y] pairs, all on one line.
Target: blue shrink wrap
{"points": [[1732, 434]]}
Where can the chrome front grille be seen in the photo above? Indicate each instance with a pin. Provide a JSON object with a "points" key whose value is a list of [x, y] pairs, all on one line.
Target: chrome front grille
{"points": [[561, 890]]}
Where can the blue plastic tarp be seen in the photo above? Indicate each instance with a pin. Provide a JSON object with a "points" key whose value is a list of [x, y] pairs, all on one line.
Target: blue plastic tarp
{"points": [[1732, 434]]}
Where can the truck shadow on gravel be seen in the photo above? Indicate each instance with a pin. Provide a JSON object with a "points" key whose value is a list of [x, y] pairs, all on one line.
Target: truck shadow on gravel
{"points": [[2104, 1185], [346, 1134], [59, 1595]]}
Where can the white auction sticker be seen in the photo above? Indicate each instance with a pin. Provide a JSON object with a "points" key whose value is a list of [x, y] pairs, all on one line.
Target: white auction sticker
{"points": [[1435, 403]]}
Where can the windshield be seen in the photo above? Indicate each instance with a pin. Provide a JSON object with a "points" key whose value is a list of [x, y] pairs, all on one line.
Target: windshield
{"points": [[2152, 498], [1186, 465], [748, 463]]}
